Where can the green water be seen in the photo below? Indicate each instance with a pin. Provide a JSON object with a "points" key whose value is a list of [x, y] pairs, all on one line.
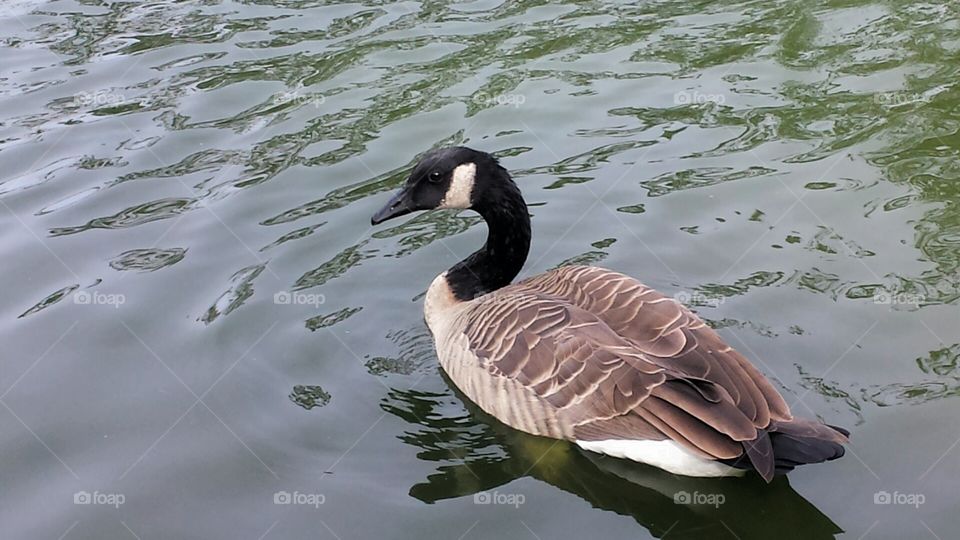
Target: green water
{"points": [[197, 318]]}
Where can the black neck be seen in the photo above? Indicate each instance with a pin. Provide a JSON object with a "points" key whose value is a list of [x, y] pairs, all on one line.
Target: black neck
{"points": [[508, 241]]}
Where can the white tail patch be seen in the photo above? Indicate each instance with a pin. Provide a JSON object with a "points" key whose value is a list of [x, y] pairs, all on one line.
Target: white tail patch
{"points": [[461, 186], [667, 455]]}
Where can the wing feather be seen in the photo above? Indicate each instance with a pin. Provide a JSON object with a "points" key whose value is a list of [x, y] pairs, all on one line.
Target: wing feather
{"points": [[613, 358]]}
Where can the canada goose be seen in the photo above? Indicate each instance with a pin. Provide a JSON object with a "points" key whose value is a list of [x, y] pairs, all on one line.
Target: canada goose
{"points": [[590, 355]]}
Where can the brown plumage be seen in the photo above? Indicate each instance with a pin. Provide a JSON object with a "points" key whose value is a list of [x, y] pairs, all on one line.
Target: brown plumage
{"points": [[594, 356], [603, 356]]}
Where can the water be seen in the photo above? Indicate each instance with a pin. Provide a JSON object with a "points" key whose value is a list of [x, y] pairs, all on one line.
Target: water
{"points": [[197, 317]]}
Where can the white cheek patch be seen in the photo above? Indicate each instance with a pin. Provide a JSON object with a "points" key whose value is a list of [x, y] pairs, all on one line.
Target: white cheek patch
{"points": [[458, 194]]}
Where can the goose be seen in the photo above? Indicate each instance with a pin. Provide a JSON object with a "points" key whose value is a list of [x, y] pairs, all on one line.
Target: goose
{"points": [[590, 355]]}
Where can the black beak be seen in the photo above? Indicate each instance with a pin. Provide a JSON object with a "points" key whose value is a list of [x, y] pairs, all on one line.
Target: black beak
{"points": [[398, 205]]}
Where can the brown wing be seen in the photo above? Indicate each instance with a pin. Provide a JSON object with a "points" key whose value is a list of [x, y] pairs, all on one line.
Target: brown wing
{"points": [[599, 383], [568, 357], [667, 333]]}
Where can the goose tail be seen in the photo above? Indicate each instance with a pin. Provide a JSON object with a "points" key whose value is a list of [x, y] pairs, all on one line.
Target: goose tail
{"points": [[785, 445]]}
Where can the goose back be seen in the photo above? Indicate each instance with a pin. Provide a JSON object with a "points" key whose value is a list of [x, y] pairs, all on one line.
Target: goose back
{"points": [[587, 354]]}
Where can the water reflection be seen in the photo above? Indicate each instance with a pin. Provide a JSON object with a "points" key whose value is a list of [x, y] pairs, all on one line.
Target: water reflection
{"points": [[51, 299], [424, 229], [338, 265], [416, 350], [240, 290], [309, 396], [147, 259], [133, 216], [940, 380], [323, 321], [477, 453]]}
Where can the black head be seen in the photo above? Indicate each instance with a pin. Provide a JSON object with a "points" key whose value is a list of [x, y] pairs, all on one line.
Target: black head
{"points": [[454, 177], [460, 177]]}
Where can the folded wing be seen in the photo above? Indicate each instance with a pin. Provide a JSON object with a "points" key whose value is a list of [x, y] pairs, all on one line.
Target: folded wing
{"points": [[614, 359]]}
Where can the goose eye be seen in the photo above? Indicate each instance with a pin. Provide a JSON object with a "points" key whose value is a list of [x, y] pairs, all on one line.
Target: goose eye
{"points": [[434, 176]]}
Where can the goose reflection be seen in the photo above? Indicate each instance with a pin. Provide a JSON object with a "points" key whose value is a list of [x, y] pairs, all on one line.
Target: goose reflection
{"points": [[477, 453]]}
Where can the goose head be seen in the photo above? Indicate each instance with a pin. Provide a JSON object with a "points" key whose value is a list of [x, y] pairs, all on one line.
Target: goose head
{"points": [[454, 177]]}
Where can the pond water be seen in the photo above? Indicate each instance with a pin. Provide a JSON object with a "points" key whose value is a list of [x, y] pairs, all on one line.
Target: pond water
{"points": [[204, 337]]}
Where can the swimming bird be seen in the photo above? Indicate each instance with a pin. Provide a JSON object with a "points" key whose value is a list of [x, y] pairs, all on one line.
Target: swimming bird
{"points": [[590, 355]]}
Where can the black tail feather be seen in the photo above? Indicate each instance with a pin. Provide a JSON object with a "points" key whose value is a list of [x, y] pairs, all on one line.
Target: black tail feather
{"points": [[793, 443], [761, 454]]}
